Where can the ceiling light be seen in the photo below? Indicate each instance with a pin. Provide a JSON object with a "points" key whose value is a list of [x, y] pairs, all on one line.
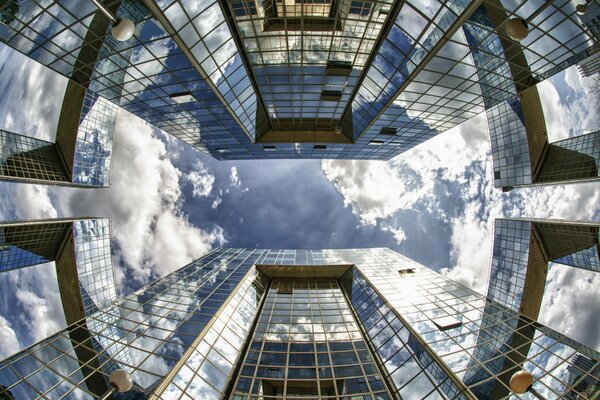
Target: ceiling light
{"points": [[122, 29], [517, 29]]}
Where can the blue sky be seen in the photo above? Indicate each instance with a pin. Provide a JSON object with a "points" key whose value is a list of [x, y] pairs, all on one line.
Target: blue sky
{"points": [[170, 204]]}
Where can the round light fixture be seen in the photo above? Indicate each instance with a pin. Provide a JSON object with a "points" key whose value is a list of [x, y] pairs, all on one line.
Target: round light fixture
{"points": [[517, 29], [123, 29], [121, 380], [521, 382], [581, 8]]}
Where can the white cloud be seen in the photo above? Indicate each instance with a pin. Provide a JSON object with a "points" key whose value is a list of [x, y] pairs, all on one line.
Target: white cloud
{"points": [[25, 202], [144, 205], [572, 289], [36, 290], [398, 233], [454, 168], [31, 96], [201, 179], [144, 63], [234, 177], [9, 344], [575, 112], [376, 190]]}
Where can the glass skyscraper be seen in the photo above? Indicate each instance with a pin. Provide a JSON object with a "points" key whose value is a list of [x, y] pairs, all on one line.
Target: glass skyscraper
{"points": [[275, 324], [251, 79]]}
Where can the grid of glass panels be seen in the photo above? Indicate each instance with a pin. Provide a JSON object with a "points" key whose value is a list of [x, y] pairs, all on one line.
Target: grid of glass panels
{"points": [[202, 27], [293, 92], [290, 63], [156, 326], [590, 66], [408, 364], [91, 241], [510, 257], [508, 136], [558, 39], [487, 49], [571, 244], [153, 328], [112, 348], [49, 368], [416, 30], [424, 297], [507, 343], [208, 368], [573, 159], [445, 93], [93, 148], [558, 36], [23, 157], [306, 344], [26, 245], [140, 74], [564, 243], [510, 149], [504, 66], [590, 258]]}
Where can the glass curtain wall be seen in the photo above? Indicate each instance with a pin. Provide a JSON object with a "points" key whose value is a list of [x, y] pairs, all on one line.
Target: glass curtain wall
{"points": [[307, 344]]}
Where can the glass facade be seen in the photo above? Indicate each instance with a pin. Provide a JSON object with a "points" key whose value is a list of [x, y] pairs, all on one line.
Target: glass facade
{"points": [[27, 245], [215, 355], [573, 159], [91, 242], [80, 248], [245, 79], [245, 323], [81, 154], [27, 158], [93, 145], [522, 250], [306, 344], [510, 256]]}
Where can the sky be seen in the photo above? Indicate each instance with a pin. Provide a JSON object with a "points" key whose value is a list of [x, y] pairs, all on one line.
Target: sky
{"points": [[170, 204]]}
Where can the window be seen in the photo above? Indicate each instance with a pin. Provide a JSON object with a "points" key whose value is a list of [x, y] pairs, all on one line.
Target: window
{"points": [[244, 7], [388, 131], [285, 289], [182, 97], [331, 95], [446, 323], [360, 7], [406, 271], [342, 68]]}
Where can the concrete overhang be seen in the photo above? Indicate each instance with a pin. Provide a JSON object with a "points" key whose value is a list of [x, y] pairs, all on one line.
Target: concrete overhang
{"points": [[304, 271]]}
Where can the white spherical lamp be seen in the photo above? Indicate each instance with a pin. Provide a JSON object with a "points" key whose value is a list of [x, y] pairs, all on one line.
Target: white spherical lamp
{"points": [[521, 381], [121, 380], [517, 29], [123, 29]]}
